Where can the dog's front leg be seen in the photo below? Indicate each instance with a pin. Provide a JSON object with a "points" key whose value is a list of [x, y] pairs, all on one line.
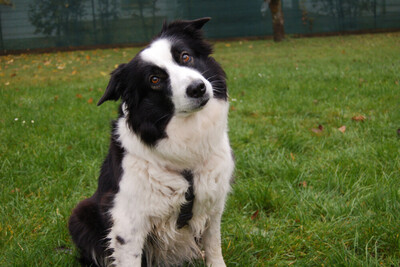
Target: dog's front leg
{"points": [[212, 242], [127, 239], [130, 227]]}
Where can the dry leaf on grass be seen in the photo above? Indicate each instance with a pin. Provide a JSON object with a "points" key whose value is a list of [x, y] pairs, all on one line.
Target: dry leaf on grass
{"points": [[342, 129], [303, 184], [358, 118], [255, 215], [318, 130]]}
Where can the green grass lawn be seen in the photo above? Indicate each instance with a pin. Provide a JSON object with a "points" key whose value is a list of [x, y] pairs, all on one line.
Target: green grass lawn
{"points": [[308, 191]]}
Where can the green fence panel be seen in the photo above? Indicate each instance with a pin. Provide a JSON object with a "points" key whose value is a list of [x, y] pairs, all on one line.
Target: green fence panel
{"points": [[32, 24]]}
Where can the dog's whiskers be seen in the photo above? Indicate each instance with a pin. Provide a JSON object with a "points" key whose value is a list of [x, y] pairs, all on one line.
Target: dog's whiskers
{"points": [[163, 117]]}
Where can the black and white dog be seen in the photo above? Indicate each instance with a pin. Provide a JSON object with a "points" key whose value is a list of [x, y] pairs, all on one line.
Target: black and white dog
{"points": [[163, 185]]}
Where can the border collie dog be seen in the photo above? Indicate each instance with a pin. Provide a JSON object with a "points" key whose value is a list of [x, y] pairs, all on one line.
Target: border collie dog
{"points": [[163, 185]]}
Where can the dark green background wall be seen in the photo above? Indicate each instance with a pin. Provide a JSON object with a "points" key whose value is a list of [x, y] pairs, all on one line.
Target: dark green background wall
{"points": [[30, 24]]}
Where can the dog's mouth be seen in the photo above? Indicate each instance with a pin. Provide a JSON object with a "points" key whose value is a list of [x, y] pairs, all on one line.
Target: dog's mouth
{"points": [[200, 103], [196, 105], [204, 102]]}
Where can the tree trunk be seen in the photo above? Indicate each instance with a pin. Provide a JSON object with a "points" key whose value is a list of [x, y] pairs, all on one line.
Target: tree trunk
{"points": [[277, 20]]}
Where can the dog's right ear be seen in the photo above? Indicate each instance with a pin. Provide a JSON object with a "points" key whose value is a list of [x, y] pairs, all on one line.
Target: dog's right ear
{"points": [[114, 87]]}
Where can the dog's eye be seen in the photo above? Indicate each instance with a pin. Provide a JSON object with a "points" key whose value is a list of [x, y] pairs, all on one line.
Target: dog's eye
{"points": [[186, 58], [155, 80]]}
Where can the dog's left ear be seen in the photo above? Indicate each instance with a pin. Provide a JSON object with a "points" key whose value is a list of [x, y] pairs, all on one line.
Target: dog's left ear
{"points": [[197, 23], [114, 87]]}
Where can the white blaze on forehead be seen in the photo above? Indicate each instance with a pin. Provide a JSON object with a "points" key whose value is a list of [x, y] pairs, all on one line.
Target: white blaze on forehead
{"points": [[159, 53]]}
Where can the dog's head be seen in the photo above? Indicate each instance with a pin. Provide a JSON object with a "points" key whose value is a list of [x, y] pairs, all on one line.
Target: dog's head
{"points": [[173, 76]]}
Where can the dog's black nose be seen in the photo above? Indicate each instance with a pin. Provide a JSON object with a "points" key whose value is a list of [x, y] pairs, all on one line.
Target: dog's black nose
{"points": [[196, 89]]}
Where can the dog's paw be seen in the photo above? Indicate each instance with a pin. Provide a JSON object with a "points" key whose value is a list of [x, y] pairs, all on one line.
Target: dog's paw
{"points": [[216, 263]]}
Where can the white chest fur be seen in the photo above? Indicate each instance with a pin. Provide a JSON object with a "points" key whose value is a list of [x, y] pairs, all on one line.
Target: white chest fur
{"points": [[152, 188]]}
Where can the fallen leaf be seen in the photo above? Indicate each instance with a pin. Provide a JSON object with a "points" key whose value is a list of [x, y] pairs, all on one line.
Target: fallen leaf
{"points": [[90, 101], [103, 73], [61, 66], [55, 98], [47, 62], [78, 96], [87, 57], [74, 72], [342, 129], [320, 129], [303, 184], [228, 45], [358, 118], [13, 75], [292, 156], [15, 190], [343, 52], [396, 82], [255, 215], [250, 46]]}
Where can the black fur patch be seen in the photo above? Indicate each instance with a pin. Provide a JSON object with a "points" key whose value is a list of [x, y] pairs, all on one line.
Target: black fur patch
{"points": [[186, 213], [120, 240], [89, 223]]}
